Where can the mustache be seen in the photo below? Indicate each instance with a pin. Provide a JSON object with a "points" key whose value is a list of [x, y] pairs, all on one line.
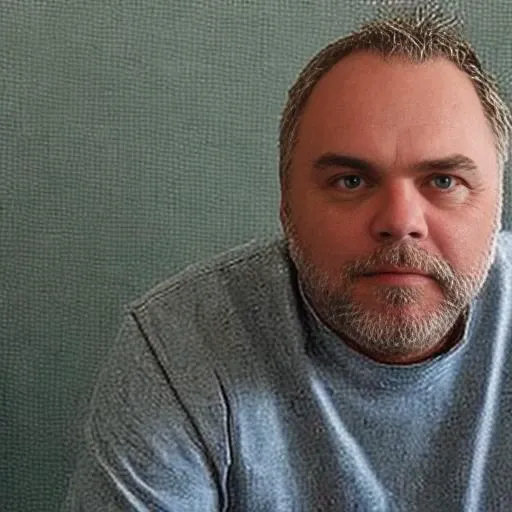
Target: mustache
{"points": [[402, 255]]}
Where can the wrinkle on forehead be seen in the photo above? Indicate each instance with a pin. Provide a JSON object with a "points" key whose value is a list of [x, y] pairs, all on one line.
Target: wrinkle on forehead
{"points": [[396, 111]]}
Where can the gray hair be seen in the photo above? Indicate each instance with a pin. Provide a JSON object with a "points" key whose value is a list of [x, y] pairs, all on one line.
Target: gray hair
{"points": [[418, 36]]}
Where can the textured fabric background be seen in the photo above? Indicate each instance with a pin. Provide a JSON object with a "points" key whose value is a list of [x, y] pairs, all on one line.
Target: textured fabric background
{"points": [[137, 137]]}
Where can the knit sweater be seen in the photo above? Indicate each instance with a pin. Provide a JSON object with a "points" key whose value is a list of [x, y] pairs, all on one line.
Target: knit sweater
{"points": [[225, 391]]}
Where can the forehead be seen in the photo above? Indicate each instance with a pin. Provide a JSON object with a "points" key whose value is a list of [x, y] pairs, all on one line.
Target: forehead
{"points": [[395, 109]]}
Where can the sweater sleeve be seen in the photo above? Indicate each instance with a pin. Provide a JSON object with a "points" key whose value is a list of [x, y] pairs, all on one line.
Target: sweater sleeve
{"points": [[143, 450]]}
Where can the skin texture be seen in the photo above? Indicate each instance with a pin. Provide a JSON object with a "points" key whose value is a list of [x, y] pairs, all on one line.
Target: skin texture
{"points": [[393, 114]]}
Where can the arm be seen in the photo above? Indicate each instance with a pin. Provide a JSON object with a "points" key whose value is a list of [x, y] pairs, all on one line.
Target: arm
{"points": [[143, 450]]}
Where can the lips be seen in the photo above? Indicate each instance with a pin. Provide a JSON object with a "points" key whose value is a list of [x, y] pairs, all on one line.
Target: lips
{"points": [[396, 270], [394, 276]]}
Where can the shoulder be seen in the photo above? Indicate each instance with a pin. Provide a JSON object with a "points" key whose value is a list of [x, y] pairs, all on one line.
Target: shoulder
{"points": [[503, 256], [505, 243], [245, 267], [215, 304], [217, 313], [498, 287]]}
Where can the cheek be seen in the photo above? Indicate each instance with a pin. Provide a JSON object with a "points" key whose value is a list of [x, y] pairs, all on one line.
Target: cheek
{"points": [[330, 239], [464, 241]]}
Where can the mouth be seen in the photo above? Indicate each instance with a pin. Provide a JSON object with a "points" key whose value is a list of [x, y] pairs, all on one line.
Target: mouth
{"points": [[396, 271], [397, 276]]}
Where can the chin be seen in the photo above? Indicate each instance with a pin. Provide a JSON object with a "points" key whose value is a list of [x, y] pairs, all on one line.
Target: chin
{"points": [[401, 300]]}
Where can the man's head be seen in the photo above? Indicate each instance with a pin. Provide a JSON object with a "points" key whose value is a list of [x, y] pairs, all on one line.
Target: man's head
{"points": [[392, 145]]}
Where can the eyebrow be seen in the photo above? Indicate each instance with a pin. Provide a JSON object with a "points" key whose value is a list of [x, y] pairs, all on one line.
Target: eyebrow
{"points": [[449, 163]]}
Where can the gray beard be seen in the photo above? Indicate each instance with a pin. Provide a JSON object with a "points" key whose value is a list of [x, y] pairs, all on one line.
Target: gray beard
{"points": [[388, 331]]}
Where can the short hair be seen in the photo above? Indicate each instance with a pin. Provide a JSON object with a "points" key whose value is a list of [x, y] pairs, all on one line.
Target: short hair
{"points": [[419, 36]]}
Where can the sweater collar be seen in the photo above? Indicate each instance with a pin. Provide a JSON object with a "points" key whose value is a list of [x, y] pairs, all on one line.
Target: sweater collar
{"points": [[331, 350]]}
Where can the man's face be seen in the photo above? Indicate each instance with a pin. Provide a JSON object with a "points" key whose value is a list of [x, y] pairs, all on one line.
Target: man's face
{"points": [[393, 203]]}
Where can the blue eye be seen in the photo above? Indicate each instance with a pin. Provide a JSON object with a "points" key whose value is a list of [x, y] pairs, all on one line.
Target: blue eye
{"points": [[351, 181], [444, 182]]}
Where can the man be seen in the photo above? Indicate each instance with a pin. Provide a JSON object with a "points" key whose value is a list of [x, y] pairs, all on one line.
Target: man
{"points": [[363, 362]]}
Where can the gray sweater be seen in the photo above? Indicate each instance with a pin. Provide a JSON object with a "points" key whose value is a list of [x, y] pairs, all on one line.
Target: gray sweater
{"points": [[226, 392]]}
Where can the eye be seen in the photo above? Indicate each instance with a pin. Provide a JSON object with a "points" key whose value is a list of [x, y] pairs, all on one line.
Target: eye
{"points": [[350, 181], [443, 182]]}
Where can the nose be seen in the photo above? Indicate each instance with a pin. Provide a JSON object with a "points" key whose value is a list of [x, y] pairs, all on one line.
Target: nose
{"points": [[399, 214]]}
